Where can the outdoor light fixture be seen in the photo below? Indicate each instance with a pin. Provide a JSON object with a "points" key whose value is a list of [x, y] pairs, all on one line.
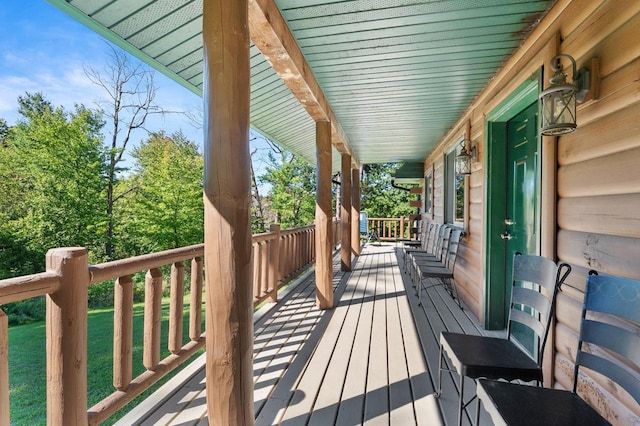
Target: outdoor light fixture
{"points": [[465, 158], [559, 99]]}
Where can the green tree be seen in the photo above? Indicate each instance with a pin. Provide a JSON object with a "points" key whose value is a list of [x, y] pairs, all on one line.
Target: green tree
{"points": [[379, 197], [164, 208], [52, 181], [52, 171], [293, 186]]}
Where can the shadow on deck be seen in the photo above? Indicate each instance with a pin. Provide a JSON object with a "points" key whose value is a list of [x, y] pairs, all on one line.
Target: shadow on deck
{"points": [[362, 362]]}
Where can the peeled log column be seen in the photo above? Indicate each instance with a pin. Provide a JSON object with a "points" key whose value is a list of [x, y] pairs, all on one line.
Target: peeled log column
{"points": [[227, 259], [355, 211], [324, 223], [67, 338], [345, 213]]}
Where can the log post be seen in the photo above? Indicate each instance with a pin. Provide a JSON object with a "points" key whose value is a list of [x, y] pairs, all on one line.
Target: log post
{"points": [[355, 211], [402, 228], [345, 213], [67, 338], [227, 225], [274, 262], [4, 369], [324, 223], [123, 333]]}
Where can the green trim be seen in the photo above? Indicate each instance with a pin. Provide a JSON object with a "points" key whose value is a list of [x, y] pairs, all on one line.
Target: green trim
{"points": [[495, 199], [516, 102], [495, 207], [85, 20]]}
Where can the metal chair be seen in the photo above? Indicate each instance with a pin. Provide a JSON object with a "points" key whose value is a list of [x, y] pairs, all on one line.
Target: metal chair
{"points": [[440, 270], [609, 327], [416, 231], [365, 234], [428, 230], [438, 243], [536, 281]]}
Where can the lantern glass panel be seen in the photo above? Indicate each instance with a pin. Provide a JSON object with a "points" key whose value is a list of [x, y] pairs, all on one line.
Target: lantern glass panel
{"points": [[559, 112]]}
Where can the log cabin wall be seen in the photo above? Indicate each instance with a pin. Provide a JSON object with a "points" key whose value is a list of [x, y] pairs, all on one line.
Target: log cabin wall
{"points": [[594, 223]]}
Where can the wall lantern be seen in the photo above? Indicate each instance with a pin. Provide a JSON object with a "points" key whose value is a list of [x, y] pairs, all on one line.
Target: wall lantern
{"points": [[559, 99], [464, 159]]}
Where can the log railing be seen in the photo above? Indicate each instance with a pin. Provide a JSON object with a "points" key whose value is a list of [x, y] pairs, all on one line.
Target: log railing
{"points": [[390, 229], [278, 257]]}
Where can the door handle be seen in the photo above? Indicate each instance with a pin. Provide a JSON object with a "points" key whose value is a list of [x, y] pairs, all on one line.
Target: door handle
{"points": [[506, 235], [509, 222]]}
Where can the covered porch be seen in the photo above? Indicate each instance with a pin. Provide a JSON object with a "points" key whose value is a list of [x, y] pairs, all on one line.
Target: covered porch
{"points": [[373, 359], [412, 82]]}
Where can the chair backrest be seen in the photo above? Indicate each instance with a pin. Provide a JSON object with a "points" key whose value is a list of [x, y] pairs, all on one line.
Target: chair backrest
{"points": [[452, 252], [536, 281], [425, 231], [610, 326], [442, 244], [364, 223], [433, 237]]}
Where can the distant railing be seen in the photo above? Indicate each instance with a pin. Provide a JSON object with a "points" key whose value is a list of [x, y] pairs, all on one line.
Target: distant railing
{"points": [[278, 256], [391, 229]]}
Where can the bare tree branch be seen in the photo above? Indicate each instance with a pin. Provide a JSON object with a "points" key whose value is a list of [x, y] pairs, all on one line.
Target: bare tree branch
{"points": [[130, 93]]}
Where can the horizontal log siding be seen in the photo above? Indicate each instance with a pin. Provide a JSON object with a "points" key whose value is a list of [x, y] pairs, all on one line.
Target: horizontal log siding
{"points": [[599, 189], [598, 178]]}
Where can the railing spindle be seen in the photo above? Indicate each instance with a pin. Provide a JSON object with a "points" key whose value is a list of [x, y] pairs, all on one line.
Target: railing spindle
{"points": [[123, 333], [264, 271], [195, 302], [152, 318], [274, 263], [176, 307], [4, 369], [281, 258]]}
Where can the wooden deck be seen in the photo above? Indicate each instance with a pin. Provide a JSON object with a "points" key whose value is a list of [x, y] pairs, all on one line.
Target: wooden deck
{"points": [[360, 363]]}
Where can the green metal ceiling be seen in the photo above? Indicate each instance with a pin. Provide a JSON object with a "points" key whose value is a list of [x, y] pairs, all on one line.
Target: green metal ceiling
{"points": [[397, 73]]}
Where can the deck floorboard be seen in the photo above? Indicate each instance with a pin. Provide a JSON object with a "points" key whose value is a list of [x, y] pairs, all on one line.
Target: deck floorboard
{"points": [[372, 360]]}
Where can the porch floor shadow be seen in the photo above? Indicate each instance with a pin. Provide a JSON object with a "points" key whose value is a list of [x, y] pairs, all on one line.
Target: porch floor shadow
{"points": [[362, 362]]}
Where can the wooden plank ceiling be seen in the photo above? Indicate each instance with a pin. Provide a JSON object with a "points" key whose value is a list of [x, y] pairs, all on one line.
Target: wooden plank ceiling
{"points": [[396, 73]]}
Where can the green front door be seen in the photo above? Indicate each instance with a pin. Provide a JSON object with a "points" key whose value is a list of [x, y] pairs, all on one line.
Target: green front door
{"points": [[521, 221], [512, 216]]}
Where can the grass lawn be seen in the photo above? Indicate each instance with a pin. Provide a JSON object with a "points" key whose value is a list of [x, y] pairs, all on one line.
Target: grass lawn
{"points": [[27, 363]]}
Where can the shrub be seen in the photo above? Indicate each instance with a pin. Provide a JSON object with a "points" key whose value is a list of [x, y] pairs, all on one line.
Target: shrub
{"points": [[25, 311]]}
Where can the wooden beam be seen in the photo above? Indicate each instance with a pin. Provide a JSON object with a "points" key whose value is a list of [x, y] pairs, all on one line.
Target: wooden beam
{"points": [[274, 39], [324, 223], [227, 233], [355, 211], [345, 214]]}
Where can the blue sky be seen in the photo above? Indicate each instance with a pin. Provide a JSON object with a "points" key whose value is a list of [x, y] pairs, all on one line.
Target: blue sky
{"points": [[42, 49]]}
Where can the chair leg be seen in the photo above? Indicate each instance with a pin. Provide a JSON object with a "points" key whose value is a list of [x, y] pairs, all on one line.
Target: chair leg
{"points": [[454, 291], [478, 402], [460, 401], [439, 389]]}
